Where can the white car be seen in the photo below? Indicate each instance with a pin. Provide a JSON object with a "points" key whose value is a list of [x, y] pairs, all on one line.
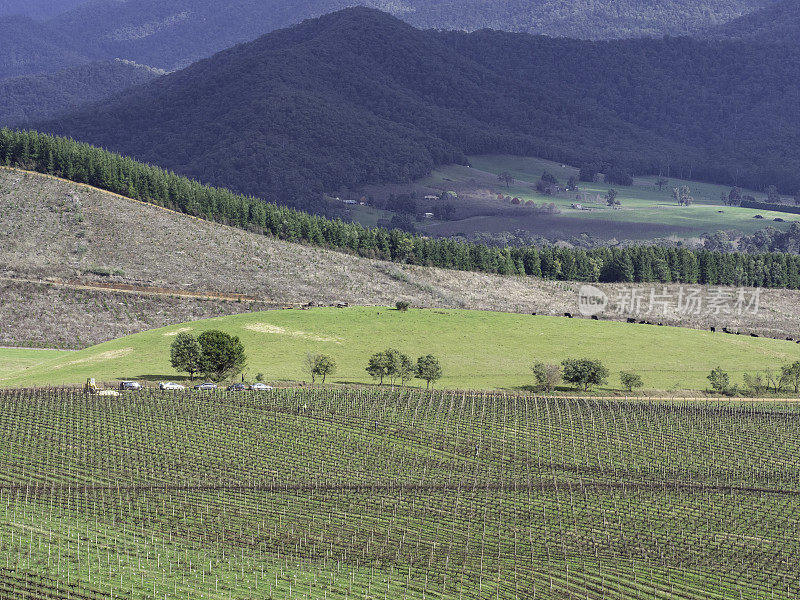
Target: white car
{"points": [[260, 387], [170, 385]]}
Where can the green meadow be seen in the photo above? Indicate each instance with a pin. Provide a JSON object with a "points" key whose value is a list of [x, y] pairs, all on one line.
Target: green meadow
{"points": [[642, 204], [478, 350]]}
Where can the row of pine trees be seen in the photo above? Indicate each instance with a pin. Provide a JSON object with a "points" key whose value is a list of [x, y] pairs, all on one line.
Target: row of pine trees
{"points": [[86, 164]]}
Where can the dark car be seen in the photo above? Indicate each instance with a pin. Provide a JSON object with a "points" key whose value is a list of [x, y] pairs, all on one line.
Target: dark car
{"points": [[206, 386], [130, 385], [237, 387]]}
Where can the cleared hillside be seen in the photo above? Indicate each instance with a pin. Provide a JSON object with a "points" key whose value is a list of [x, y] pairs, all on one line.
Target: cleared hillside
{"points": [[67, 235]]}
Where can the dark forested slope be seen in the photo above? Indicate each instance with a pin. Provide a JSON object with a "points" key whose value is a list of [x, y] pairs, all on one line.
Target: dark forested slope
{"points": [[36, 97], [28, 47], [358, 96]]}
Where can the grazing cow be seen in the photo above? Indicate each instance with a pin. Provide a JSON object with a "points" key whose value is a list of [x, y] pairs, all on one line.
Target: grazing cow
{"points": [[533, 314], [595, 318], [631, 320], [789, 339], [713, 330], [568, 315], [753, 335]]}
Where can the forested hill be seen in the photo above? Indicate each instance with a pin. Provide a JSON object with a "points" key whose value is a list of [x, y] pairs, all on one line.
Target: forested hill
{"points": [[27, 47], [36, 97], [775, 23], [359, 96]]}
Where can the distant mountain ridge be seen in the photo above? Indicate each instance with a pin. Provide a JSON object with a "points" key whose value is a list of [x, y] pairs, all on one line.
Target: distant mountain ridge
{"points": [[171, 35], [360, 97], [775, 23]]}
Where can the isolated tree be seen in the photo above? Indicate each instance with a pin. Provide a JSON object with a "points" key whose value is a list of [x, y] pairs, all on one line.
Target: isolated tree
{"points": [[630, 381], [735, 197], [223, 355], [428, 369], [402, 305], [661, 182], [547, 375], [611, 198], [720, 381], [790, 375], [683, 195], [506, 177], [320, 365], [185, 354], [584, 373]]}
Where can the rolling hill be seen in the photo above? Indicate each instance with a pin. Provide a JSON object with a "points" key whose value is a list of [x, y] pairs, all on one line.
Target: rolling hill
{"points": [[359, 97], [478, 350], [43, 96]]}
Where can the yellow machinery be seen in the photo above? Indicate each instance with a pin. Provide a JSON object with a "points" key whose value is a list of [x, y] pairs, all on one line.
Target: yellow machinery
{"points": [[92, 388]]}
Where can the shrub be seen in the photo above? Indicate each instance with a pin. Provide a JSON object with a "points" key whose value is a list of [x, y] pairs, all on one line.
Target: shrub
{"points": [[720, 381], [547, 376], [630, 381], [402, 305]]}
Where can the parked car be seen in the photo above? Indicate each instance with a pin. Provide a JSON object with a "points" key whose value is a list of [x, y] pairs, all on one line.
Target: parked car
{"points": [[206, 386], [237, 387], [260, 387], [170, 385], [130, 385]]}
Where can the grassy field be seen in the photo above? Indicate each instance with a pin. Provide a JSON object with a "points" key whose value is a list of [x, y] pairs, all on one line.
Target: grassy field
{"points": [[16, 360], [345, 494], [478, 350], [646, 212]]}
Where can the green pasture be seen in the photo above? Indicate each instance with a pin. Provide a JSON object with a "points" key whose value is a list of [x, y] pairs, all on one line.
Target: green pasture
{"points": [[478, 350], [15, 360], [641, 203]]}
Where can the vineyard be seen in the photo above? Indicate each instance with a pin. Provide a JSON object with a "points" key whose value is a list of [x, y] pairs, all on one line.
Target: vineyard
{"points": [[386, 493]]}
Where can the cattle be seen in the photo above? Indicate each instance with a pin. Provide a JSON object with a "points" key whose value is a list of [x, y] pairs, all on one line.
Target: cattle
{"points": [[753, 335], [568, 315], [595, 318], [713, 330], [631, 320]]}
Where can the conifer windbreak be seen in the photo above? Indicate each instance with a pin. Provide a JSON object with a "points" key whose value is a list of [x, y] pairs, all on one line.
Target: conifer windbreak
{"points": [[83, 163]]}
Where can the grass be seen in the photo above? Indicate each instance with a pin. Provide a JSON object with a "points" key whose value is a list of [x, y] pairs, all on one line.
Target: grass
{"points": [[15, 360], [341, 494], [478, 350], [646, 211]]}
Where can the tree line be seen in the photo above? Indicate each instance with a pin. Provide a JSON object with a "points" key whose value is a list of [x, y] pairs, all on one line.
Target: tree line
{"points": [[83, 163]]}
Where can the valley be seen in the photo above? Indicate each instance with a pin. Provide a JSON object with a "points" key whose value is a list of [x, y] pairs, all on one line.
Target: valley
{"points": [[483, 204]]}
